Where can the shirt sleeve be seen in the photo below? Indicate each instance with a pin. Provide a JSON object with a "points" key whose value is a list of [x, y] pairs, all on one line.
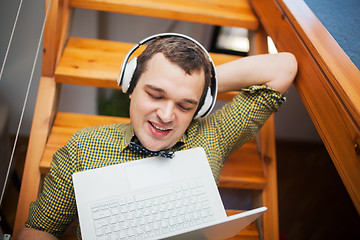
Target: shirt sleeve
{"points": [[55, 207], [233, 124], [240, 119]]}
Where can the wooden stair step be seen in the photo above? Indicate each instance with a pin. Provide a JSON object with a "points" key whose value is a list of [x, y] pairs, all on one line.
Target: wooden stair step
{"points": [[216, 12], [242, 170], [97, 63]]}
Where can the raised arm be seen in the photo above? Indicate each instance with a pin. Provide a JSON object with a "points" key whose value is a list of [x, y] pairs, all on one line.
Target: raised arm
{"points": [[275, 70]]}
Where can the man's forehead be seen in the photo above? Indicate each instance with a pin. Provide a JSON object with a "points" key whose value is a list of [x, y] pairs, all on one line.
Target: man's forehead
{"points": [[161, 73], [178, 64]]}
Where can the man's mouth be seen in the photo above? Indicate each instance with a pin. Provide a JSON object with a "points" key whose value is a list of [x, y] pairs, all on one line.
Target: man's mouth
{"points": [[158, 128]]}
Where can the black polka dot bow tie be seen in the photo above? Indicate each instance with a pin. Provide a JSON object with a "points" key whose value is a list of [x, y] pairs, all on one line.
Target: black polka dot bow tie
{"points": [[138, 148]]}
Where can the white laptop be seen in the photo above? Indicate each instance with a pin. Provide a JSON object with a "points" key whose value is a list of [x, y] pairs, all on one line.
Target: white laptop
{"points": [[155, 198]]}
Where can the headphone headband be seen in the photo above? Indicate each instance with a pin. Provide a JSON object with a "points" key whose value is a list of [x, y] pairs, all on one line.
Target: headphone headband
{"points": [[128, 69]]}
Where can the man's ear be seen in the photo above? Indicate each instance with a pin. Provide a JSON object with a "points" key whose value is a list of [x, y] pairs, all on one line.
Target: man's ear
{"points": [[130, 95]]}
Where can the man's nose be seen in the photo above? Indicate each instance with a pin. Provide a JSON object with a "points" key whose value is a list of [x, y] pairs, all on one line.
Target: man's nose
{"points": [[166, 112]]}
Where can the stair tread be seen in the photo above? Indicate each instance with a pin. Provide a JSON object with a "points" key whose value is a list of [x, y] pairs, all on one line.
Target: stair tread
{"points": [[242, 170], [217, 12], [97, 63]]}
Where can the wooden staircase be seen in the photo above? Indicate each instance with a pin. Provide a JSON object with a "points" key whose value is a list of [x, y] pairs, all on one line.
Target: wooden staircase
{"points": [[94, 62]]}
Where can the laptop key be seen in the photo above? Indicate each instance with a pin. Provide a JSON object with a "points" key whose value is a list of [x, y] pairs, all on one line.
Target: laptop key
{"points": [[100, 223], [101, 214]]}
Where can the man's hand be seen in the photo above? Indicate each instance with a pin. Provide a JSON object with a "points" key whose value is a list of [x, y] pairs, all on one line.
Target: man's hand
{"points": [[275, 70], [33, 234]]}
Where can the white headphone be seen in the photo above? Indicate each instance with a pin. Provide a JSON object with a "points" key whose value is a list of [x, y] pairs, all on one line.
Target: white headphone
{"points": [[128, 69]]}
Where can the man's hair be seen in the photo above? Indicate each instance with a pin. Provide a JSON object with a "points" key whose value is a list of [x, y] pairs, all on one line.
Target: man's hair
{"points": [[178, 50]]}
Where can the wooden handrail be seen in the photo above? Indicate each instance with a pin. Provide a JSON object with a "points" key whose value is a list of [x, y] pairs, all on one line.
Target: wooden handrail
{"points": [[327, 82]]}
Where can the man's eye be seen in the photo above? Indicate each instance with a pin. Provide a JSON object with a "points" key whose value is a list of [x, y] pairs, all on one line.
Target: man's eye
{"points": [[154, 96], [184, 108]]}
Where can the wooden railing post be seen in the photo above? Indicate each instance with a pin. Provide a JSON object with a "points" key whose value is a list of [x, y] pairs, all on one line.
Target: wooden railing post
{"points": [[269, 228]]}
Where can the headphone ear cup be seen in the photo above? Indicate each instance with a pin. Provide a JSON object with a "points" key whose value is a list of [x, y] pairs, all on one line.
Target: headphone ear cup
{"points": [[208, 102], [129, 70]]}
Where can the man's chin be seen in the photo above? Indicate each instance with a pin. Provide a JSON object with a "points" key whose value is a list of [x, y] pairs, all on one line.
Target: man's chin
{"points": [[155, 149]]}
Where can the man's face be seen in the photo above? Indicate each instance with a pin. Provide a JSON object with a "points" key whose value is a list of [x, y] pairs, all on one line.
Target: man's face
{"points": [[164, 102]]}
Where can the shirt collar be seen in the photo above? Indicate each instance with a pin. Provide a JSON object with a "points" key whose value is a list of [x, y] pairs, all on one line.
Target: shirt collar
{"points": [[128, 134]]}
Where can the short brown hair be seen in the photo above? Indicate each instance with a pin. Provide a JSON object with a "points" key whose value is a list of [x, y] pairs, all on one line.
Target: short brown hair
{"points": [[181, 51]]}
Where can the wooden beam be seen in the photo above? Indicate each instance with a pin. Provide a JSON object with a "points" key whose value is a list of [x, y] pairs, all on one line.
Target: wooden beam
{"points": [[40, 129], [269, 193], [270, 220], [55, 35]]}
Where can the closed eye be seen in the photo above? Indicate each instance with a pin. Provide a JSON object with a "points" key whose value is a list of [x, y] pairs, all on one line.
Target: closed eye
{"points": [[184, 108], [160, 94], [155, 96], [187, 106], [154, 92]]}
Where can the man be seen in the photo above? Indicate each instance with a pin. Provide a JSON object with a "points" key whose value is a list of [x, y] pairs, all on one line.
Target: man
{"points": [[166, 92]]}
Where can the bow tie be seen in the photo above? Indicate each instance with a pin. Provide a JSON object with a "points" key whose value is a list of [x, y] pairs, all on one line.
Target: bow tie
{"points": [[138, 148]]}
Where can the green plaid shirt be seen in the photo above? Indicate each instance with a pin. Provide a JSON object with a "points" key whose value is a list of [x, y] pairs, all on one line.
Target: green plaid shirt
{"points": [[219, 134]]}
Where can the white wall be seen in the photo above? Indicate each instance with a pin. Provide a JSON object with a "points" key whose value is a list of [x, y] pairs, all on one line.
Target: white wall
{"points": [[292, 122], [18, 67]]}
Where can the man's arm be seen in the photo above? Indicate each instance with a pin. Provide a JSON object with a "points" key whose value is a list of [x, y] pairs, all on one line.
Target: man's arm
{"points": [[33, 234], [275, 70]]}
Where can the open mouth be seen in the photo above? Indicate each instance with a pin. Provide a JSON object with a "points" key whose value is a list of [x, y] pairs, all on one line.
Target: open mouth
{"points": [[160, 129]]}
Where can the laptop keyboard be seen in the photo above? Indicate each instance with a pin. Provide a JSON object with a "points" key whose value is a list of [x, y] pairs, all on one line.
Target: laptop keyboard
{"points": [[151, 214]]}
